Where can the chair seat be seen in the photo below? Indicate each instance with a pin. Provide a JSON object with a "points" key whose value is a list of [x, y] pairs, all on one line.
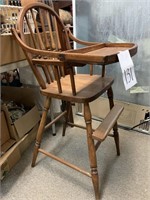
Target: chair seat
{"points": [[88, 88]]}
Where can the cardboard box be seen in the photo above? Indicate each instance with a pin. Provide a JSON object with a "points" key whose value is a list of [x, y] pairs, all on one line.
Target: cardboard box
{"points": [[131, 116], [23, 96], [7, 139], [13, 155], [10, 50]]}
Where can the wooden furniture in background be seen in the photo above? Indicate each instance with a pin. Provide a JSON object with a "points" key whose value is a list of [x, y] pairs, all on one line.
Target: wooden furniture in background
{"points": [[50, 56], [62, 4]]}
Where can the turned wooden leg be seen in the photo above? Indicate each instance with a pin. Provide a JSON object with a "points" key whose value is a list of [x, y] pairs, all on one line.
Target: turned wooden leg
{"points": [[67, 117], [115, 128], [116, 138], [92, 151], [40, 130]]}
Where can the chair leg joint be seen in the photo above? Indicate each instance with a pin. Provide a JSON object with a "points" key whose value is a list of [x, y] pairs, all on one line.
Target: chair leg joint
{"points": [[94, 171], [37, 144], [88, 122]]}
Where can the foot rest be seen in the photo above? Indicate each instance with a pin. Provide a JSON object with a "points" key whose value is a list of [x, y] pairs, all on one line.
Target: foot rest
{"points": [[107, 124]]}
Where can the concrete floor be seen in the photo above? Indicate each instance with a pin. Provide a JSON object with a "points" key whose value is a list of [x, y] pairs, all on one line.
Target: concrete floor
{"points": [[121, 178]]}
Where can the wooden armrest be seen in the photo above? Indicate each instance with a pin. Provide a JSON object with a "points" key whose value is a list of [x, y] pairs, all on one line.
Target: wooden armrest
{"points": [[72, 37], [107, 124], [47, 61]]}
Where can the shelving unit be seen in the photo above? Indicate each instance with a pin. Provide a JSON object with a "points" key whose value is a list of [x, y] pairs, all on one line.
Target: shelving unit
{"points": [[12, 2]]}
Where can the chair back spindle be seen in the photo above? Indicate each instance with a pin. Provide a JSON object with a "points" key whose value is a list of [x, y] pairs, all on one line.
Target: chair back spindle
{"points": [[40, 28]]}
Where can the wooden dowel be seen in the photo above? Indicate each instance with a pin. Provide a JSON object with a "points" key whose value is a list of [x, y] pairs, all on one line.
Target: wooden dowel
{"points": [[91, 69], [76, 125], [57, 118], [103, 70], [97, 145], [42, 15], [65, 162]]}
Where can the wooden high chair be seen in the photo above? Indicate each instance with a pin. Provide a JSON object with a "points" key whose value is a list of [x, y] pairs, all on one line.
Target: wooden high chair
{"points": [[45, 42]]}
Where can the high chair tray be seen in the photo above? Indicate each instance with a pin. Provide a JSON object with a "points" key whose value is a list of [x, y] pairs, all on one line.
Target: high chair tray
{"points": [[101, 53]]}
